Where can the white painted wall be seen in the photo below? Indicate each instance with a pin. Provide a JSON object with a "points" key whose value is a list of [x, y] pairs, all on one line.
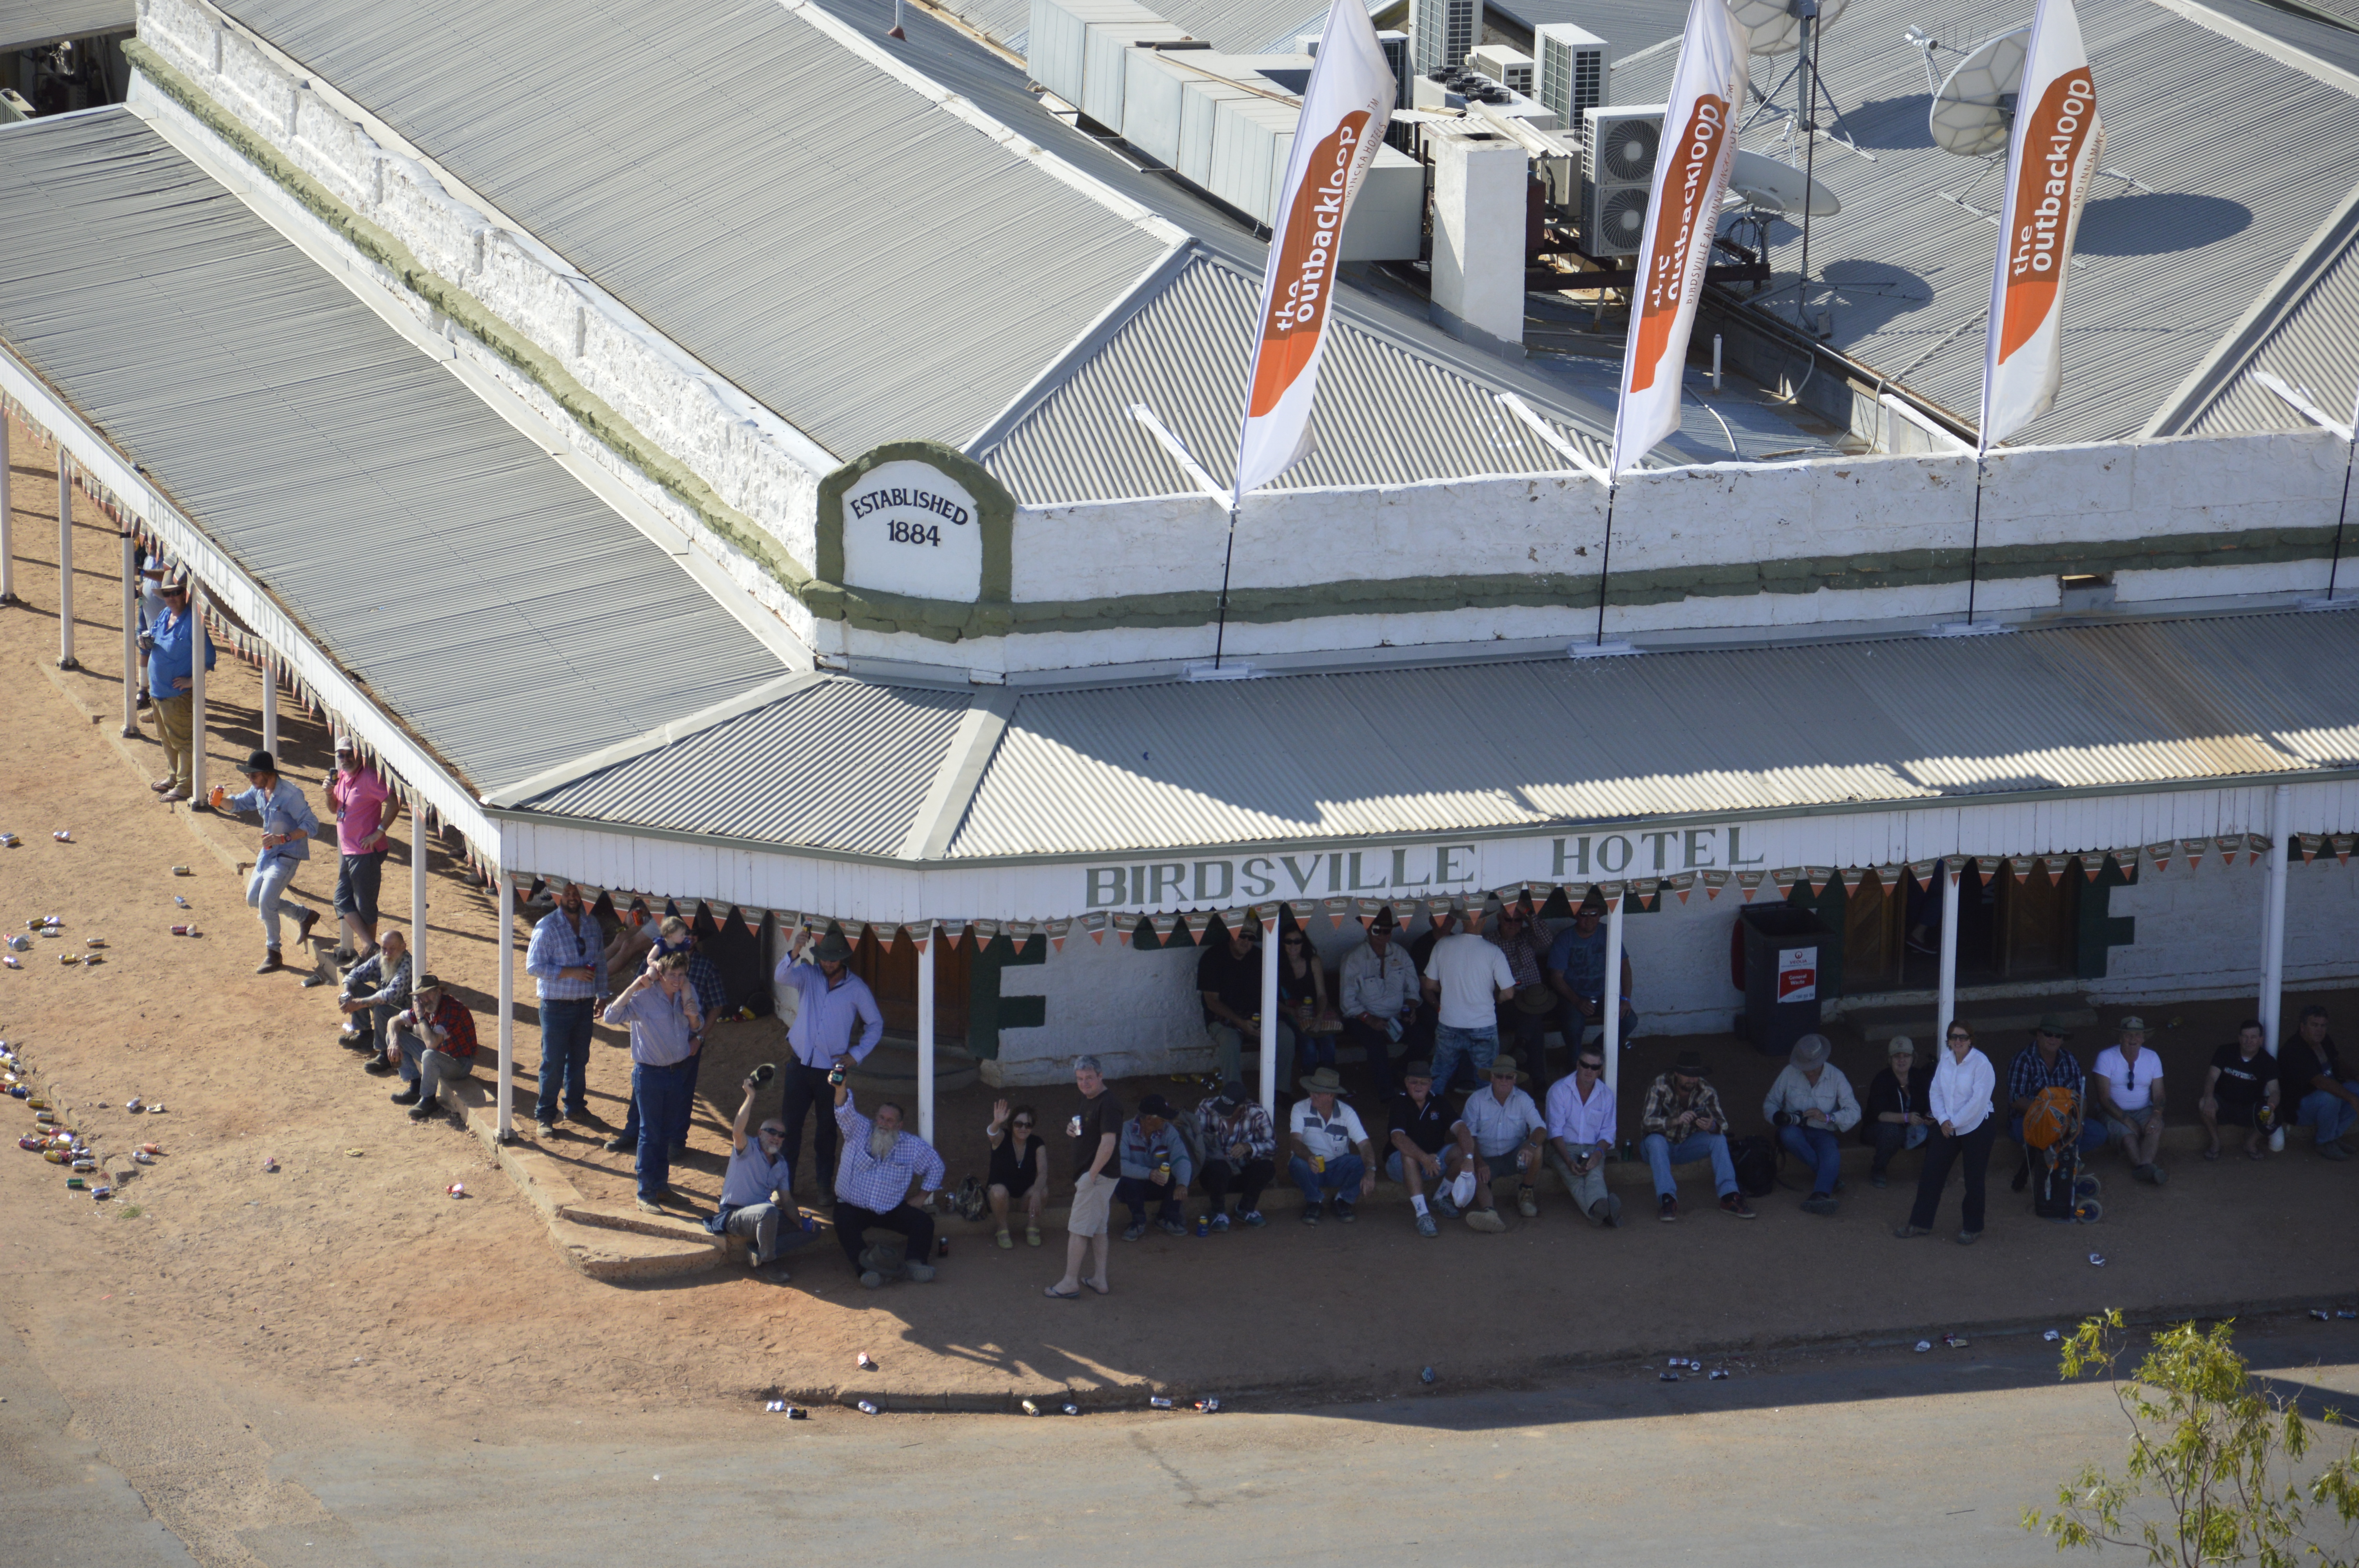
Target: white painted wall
{"points": [[2198, 932], [1479, 217]]}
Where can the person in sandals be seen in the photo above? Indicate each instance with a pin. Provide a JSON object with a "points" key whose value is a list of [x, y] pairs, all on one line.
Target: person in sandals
{"points": [[1016, 1156]]}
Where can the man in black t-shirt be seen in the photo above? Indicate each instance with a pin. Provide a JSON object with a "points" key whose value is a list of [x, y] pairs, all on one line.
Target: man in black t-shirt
{"points": [[1228, 983], [2239, 1087], [2325, 1099], [1419, 1135], [1096, 1132]]}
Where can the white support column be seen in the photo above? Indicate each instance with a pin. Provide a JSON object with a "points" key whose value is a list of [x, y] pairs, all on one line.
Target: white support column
{"points": [[7, 510], [418, 812], [925, 1034], [1611, 1007], [2273, 922], [1269, 1017], [506, 902], [270, 703], [65, 560], [130, 634], [196, 693], [1945, 1006]]}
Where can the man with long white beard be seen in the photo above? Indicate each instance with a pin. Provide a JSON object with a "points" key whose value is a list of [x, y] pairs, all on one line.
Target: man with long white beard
{"points": [[872, 1187]]}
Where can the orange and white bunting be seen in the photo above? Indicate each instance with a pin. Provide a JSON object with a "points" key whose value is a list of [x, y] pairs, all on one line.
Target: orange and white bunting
{"points": [[2053, 153], [1691, 175], [1345, 107]]}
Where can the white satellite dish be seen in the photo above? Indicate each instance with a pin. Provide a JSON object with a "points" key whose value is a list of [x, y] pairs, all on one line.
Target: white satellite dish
{"points": [[1774, 27], [1975, 112], [1768, 186]]}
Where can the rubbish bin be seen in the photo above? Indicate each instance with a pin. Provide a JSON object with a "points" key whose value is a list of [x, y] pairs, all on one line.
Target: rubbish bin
{"points": [[1781, 974]]}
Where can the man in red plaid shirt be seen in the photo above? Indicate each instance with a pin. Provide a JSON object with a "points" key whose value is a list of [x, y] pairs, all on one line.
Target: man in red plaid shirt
{"points": [[433, 1042]]}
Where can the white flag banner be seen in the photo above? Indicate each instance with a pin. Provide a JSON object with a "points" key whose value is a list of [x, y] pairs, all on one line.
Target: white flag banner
{"points": [[1345, 107], [1691, 174], [2052, 157]]}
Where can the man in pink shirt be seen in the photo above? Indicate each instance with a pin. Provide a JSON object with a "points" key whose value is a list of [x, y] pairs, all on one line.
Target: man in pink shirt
{"points": [[364, 809]]}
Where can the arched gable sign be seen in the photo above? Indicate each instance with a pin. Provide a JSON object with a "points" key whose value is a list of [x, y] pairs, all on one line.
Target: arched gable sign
{"points": [[918, 520]]}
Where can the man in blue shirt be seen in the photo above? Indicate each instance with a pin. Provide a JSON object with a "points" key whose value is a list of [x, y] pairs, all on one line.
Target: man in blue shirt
{"points": [[568, 965], [757, 1190], [1576, 972], [664, 1023], [170, 640], [712, 997], [287, 826], [873, 1189], [830, 998]]}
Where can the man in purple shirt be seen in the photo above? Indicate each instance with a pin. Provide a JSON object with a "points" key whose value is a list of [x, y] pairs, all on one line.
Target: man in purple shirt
{"points": [[829, 999], [364, 809]]}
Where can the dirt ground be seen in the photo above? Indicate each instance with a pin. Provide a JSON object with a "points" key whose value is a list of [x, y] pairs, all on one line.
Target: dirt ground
{"points": [[347, 1279]]}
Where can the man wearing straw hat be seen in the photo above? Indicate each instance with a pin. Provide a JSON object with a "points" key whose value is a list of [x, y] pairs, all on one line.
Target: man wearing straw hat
{"points": [[1811, 1106], [1331, 1153], [171, 641], [831, 1000]]}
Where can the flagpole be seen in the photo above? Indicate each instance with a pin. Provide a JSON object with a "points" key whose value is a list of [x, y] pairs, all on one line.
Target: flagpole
{"points": [[1606, 564], [1975, 548], [1220, 631]]}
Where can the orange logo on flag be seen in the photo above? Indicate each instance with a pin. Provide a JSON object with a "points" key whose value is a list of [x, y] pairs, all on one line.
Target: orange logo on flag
{"points": [[1689, 179], [2052, 144], [1306, 260]]}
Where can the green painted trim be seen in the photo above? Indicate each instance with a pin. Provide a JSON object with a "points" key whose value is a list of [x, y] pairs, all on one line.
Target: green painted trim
{"points": [[594, 414], [823, 593]]}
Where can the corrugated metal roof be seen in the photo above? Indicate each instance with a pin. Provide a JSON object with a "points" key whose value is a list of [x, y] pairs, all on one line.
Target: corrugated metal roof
{"points": [[483, 596], [865, 266], [25, 23], [1239, 26], [1385, 415], [1504, 746], [1626, 25], [2309, 340], [843, 765], [2245, 157]]}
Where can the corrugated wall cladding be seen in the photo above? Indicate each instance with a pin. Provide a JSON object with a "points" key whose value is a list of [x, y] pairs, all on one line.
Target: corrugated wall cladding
{"points": [[1510, 745], [1386, 417], [843, 766], [2313, 348], [485, 597], [24, 23], [867, 266], [2247, 159]]}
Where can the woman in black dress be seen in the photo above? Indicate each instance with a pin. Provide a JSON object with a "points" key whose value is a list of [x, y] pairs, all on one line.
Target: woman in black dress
{"points": [[1015, 1170]]}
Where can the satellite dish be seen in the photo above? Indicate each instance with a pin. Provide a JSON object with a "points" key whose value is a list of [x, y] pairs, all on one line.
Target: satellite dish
{"points": [[1975, 112], [1768, 186], [1774, 27]]}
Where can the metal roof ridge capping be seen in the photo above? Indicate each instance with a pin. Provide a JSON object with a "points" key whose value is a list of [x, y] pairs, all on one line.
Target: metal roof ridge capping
{"points": [[264, 397], [1863, 724]]}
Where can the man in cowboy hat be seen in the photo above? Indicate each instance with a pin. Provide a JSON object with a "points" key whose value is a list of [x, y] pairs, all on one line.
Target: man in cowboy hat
{"points": [[1500, 1130], [1683, 1122], [1811, 1106], [1332, 1153], [287, 829], [831, 999], [1379, 998], [1156, 1169], [2045, 1063], [433, 1042]]}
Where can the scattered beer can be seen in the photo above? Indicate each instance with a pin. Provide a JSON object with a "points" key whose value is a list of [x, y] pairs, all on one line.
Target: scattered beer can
{"points": [[93, 941], [865, 1362], [269, 1163], [1923, 1346], [180, 901], [76, 1184], [776, 1407], [2096, 1259], [29, 1142], [941, 1246], [1425, 1375], [1209, 1407], [2052, 1335], [797, 1412], [10, 959], [70, 959], [867, 1408], [1072, 1409], [1031, 1407], [102, 1192], [151, 1149], [2319, 1314], [456, 1189], [9, 840], [135, 1105], [182, 872], [1954, 1342], [2347, 1314], [63, 835], [1720, 1374], [143, 1157], [55, 1156], [1666, 1377], [20, 944], [1160, 1401]]}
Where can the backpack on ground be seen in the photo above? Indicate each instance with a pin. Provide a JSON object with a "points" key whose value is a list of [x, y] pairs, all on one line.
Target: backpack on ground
{"points": [[1755, 1159]]}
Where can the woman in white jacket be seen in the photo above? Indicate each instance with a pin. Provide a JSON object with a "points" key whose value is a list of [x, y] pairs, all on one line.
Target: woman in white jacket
{"points": [[1960, 1105]]}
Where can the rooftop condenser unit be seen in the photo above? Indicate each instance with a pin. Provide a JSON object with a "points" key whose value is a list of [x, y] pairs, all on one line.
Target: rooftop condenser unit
{"points": [[1571, 74], [1618, 148]]}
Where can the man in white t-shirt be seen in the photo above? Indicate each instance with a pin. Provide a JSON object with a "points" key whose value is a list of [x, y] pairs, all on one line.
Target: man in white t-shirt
{"points": [[2129, 1097], [1332, 1153], [1469, 977]]}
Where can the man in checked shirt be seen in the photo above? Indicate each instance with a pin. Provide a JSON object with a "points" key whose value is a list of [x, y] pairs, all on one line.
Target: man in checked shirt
{"points": [[568, 965], [872, 1188]]}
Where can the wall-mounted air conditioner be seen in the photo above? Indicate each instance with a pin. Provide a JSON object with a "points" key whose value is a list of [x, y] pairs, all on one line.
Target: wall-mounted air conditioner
{"points": [[1618, 149]]}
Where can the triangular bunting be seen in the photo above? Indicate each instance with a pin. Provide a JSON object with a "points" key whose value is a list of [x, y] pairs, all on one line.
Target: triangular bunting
{"points": [[1713, 882], [1683, 884], [2161, 855], [1095, 923], [1181, 930], [1749, 883], [953, 931], [1785, 877], [1923, 872], [1058, 931], [2092, 865], [1162, 925], [1818, 877], [2020, 865], [2311, 845], [1337, 908], [1645, 892], [1611, 892], [1852, 877], [2228, 845], [2261, 845], [1366, 910], [2341, 843], [984, 930], [2192, 851]]}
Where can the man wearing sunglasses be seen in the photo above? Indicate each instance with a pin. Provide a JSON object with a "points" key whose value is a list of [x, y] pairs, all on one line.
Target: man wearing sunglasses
{"points": [[1580, 1136], [2129, 1098], [754, 1189]]}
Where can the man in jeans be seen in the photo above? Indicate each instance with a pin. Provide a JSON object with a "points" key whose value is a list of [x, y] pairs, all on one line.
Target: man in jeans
{"points": [[1155, 1168], [1379, 998], [1240, 1150], [756, 1190], [364, 809], [1469, 978], [433, 1042], [2325, 1098], [566, 961], [171, 643], [1683, 1122], [665, 1022], [1811, 1106], [1581, 1135], [829, 999], [1332, 1153]]}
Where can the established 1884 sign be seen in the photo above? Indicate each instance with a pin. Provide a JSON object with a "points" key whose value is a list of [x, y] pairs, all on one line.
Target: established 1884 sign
{"points": [[909, 527]]}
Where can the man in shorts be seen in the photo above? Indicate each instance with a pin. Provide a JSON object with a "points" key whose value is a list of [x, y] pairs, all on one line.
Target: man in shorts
{"points": [[1418, 1133], [1095, 1132]]}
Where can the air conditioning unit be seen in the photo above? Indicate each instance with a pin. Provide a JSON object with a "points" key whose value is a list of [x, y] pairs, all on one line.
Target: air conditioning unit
{"points": [[1511, 68], [1572, 71], [1618, 149], [1443, 32], [1395, 48]]}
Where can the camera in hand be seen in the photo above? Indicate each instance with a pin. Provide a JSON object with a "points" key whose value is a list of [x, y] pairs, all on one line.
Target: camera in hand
{"points": [[763, 1074]]}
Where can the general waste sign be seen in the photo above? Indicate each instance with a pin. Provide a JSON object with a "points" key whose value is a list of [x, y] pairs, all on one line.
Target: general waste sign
{"points": [[1798, 974]]}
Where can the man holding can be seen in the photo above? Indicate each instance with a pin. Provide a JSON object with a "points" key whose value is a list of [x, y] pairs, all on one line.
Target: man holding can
{"points": [[1155, 1170], [881, 1157], [829, 999], [364, 809], [287, 826], [1096, 1132], [569, 976], [665, 1022], [171, 642]]}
